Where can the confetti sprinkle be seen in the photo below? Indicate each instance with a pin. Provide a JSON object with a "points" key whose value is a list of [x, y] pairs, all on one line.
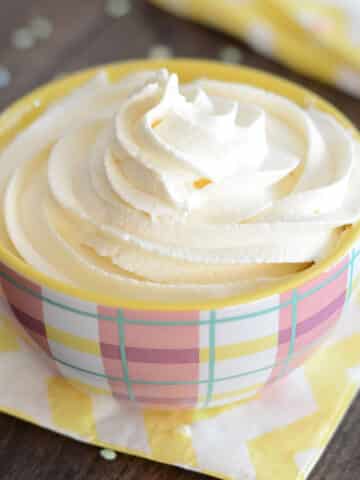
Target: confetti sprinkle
{"points": [[5, 77], [41, 27], [59, 75], [117, 8], [185, 430], [107, 454], [37, 103], [231, 55], [160, 51], [261, 37], [23, 38]]}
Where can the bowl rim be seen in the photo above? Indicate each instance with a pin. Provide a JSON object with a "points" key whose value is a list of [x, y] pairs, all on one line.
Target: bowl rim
{"points": [[28, 107]]}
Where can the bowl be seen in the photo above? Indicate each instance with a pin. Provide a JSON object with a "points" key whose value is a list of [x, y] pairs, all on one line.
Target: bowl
{"points": [[187, 355]]}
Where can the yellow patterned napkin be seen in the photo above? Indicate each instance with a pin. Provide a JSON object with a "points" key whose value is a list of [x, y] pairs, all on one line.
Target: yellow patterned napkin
{"points": [[280, 435], [320, 38]]}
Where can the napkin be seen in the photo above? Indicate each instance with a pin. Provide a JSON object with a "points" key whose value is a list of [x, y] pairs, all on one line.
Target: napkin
{"points": [[281, 434], [319, 38]]}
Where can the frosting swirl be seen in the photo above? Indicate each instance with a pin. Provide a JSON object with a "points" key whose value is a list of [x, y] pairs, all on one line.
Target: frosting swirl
{"points": [[152, 189]]}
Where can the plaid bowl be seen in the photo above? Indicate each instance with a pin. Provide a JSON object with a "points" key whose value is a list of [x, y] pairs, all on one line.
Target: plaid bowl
{"points": [[181, 358], [174, 357]]}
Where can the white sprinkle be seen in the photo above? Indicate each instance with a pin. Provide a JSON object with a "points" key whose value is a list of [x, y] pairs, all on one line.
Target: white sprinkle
{"points": [[37, 103], [349, 80], [5, 76], [261, 37], [117, 8], [231, 54], [185, 430], [107, 454], [41, 27], [160, 51], [23, 39], [59, 75]]}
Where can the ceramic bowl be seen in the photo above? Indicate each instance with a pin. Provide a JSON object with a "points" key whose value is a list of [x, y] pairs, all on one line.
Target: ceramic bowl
{"points": [[188, 355]]}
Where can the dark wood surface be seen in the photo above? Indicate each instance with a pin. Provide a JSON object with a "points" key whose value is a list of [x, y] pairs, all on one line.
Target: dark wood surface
{"points": [[84, 36]]}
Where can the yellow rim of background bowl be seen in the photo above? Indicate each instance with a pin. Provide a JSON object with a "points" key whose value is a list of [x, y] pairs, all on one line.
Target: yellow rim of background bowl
{"points": [[26, 110]]}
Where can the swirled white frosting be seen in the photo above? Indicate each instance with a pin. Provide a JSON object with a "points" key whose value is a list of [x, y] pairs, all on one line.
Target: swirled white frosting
{"points": [[150, 190]]}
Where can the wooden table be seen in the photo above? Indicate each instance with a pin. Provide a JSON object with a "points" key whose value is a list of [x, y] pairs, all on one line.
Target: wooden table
{"points": [[85, 36]]}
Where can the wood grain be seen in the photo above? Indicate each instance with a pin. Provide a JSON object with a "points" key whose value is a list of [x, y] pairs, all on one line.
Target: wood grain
{"points": [[85, 36]]}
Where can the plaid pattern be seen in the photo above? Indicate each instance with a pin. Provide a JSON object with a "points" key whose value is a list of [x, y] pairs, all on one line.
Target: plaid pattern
{"points": [[26, 306], [181, 358], [308, 316]]}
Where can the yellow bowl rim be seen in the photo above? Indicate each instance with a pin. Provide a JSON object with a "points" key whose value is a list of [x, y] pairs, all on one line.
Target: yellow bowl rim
{"points": [[248, 75]]}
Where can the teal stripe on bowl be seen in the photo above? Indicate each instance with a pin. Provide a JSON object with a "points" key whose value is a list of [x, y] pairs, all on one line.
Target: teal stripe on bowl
{"points": [[124, 363], [294, 316], [354, 255], [212, 346]]}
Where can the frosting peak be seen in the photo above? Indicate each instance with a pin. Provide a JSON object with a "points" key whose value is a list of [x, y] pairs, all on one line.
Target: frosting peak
{"points": [[188, 140]]}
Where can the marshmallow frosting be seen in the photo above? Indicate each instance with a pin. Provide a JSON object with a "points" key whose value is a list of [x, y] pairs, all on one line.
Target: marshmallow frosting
{"points": [[158, 191]]}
